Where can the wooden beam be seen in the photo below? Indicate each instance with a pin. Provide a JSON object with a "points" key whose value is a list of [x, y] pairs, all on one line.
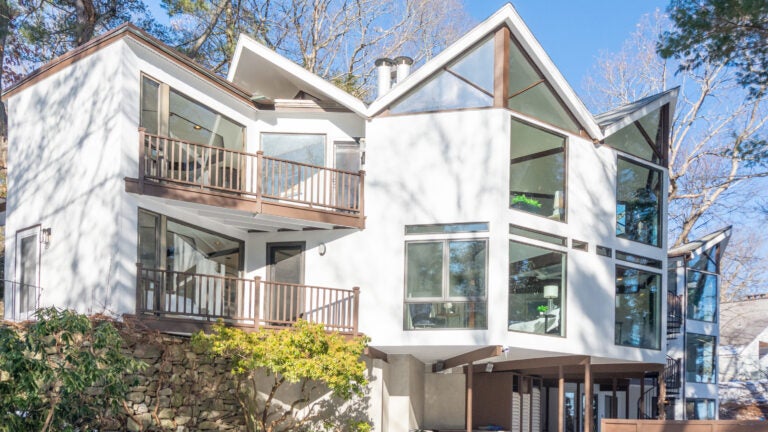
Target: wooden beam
{"points": [[470, 357], [539, 363], [501, 67], [375, 354]]}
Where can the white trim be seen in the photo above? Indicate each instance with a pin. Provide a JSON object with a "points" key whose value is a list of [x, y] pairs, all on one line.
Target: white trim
{"points": [[246, 42]]}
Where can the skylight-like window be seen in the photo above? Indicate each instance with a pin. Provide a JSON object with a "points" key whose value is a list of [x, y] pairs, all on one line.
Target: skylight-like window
{"points": [[643, 138], [466, 83]]}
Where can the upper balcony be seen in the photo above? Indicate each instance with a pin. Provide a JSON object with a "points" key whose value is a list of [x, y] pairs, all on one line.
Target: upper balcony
{"points": [[264, 189]]}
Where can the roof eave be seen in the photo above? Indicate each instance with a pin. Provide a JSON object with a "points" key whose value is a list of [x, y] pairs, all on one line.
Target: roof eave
{"points": [[106, 39], [669, 98], [246, 42]]}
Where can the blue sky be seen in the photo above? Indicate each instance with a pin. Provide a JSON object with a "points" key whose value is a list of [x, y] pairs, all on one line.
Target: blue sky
{"points": [[574, 32]]}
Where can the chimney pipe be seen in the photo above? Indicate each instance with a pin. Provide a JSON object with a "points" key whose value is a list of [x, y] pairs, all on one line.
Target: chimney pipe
{"points": [[384, 73], [403, 65]]}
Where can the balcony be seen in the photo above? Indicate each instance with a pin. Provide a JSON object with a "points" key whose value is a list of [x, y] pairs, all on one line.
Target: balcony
{"points": [[186, 302], [255, 188]]}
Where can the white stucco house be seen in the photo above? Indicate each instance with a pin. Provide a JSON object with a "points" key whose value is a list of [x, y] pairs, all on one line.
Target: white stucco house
{"points": [[504, 248], [743, 348]]}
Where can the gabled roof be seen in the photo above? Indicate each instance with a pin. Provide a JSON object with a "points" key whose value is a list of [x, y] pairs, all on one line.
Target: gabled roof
{"points": [[618, 118], [508, 16], [116, 34], [267, 74], [702, 244]]}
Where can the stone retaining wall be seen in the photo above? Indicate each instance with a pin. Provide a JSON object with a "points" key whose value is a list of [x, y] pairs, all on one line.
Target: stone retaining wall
{"points": [[180, 390]]}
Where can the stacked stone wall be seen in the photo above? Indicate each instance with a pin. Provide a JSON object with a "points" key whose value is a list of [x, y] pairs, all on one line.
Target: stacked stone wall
{"points": [[180, 390]]}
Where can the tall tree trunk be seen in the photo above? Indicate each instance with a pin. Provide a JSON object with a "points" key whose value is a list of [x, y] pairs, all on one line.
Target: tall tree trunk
{"points": [[5, 28], [86, 21]]}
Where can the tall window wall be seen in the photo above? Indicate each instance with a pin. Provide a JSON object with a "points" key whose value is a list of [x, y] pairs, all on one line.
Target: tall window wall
{"points": [[700, 365], [537, 171], [638, 308], [702, 285], [167, 112], [445, 276], [537, 280], [638, 202]]}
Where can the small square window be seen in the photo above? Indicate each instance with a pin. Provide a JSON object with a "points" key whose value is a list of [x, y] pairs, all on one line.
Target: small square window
{"points": [[604, 251], [580, 245]]}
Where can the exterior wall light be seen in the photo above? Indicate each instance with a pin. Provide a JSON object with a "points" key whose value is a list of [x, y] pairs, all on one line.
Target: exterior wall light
{"points": [[45, 237], [321, 249]]}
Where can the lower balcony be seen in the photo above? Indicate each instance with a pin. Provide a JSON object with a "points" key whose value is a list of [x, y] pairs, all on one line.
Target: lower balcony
{"points": [[262, 189], [181, 302]]}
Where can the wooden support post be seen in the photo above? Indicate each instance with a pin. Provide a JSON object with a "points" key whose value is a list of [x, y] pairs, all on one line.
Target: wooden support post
{"points": [[361, 199], [356, 306], [256, 301], [626, 401], [560, 400], [662, 382], [578, 406], [588, 408], [470, 372], [501, 67]]}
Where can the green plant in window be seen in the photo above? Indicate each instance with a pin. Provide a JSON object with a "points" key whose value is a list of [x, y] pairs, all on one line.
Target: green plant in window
{"points": [[521, 199], [542, 309]]}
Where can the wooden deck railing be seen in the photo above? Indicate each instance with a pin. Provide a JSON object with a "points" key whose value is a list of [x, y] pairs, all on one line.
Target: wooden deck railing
{"points": [[250, 176], [244, 302]]}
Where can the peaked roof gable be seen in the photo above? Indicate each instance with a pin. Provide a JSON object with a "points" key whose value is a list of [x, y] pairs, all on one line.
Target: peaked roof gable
{"points": [[618, 118], [279, 70], [702, 244], [509, 17]]}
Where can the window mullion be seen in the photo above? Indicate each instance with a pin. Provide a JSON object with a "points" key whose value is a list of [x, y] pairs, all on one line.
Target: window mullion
{"points": [[446, 269]]}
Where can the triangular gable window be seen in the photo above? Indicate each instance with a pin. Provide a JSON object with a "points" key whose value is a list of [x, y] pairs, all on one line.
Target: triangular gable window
{"points": [[530, 94], [466, 83], [643, 138]]}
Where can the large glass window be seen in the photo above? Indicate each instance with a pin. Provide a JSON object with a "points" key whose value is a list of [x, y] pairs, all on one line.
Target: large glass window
{"points": [[446, 284], [183, 267], [466, 83], [707, 260], [700, 409], [537, 171], [303, 148], [702, 296], [536, 289], [643, 138], [167, 112], [638, 308], [187, 248], [700, 364], [638, 202], [530, 94]]}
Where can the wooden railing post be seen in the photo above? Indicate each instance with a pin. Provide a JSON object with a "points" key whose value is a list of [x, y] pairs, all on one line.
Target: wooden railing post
{"points": [[139, 294], [356, 306], [142, 162], [361, 199], [256, 301], [259, 179]]}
